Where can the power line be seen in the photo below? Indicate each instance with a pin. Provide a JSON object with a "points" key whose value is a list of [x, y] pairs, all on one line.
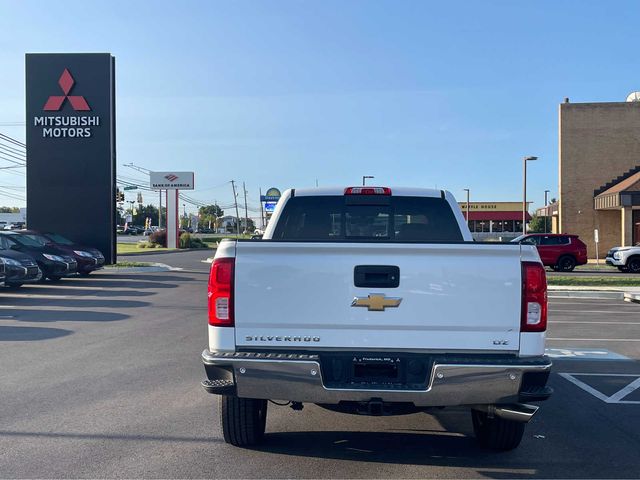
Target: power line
{"points": [[11, 149], [12, 140], [20, 161]]}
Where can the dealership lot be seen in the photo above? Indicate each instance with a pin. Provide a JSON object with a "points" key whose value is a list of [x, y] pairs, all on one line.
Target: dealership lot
{"points": [[100, 378]]}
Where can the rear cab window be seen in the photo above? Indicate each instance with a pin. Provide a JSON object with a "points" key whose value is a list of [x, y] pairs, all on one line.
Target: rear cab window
{"points": [[368, 218]]}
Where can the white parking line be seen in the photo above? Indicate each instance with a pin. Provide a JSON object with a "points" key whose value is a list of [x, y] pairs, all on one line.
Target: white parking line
{"points": [[596, 323], [595, 339], [616, 397], [612, 312]]}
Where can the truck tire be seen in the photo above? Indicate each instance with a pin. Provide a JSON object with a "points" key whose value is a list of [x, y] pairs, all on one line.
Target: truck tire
{"points": [[566, 263], [496, 433], [242, 420], [633, 265]]}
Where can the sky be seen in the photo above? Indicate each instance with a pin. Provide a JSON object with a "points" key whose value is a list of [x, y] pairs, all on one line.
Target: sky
{"points": [[289, 93]]}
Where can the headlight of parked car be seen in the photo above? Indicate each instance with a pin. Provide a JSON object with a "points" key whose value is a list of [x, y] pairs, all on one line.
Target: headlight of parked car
{"points": [[53, 258], [12, 262], [82, 253], [616, 255]]}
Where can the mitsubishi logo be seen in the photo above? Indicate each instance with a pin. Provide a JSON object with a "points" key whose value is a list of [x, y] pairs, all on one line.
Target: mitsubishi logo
{"points": [[376, 302], [55, 102], [171, 177]]}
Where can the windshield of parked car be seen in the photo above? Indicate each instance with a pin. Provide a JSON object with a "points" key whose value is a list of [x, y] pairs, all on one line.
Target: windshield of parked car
{"points": [[41, 239], [4, 243], [368, 218], [59, 239], [518, 239], [26, 241]]}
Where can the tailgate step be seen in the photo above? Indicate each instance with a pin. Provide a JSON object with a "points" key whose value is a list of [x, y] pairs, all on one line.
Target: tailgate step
{"points": [[219, 387]]}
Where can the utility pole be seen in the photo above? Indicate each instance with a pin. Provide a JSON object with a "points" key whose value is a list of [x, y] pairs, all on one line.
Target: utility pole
{"points": [[246, 214], [546, 211], [262, 209], [235, 202]]}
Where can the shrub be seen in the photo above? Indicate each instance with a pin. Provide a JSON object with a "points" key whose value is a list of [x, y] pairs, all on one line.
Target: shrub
{"points": [[159, 238], [143, 245], [185, 240]]}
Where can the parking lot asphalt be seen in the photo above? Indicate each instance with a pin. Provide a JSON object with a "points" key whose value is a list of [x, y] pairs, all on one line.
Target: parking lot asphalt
{"points": [[100, 378]]}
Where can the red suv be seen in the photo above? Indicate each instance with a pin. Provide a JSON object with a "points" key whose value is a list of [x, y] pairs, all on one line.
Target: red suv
{"points": [[561, 252]]}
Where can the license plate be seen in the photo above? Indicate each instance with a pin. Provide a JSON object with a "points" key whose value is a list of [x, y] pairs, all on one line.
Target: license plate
{"points": [[376, 369]]}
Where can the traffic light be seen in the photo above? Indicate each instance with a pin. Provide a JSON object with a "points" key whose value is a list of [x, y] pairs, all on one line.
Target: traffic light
{"points": [[119, 196]]}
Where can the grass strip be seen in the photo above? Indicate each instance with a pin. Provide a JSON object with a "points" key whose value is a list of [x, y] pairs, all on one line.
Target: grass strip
{"points": [[593, 281], [131, 264]]}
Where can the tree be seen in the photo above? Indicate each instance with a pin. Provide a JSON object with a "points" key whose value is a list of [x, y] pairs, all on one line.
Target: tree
{"points": [[209, 214], [536, 225], [9, 210], [147, 211], [250, 226]]}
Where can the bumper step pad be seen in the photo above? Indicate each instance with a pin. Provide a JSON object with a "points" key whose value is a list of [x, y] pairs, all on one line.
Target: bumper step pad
{"points": [[219, 387]]}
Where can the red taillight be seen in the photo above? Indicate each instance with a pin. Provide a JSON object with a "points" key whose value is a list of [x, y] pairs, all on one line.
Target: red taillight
{"points": [[220, 292], [367, 191], [534, 298]]}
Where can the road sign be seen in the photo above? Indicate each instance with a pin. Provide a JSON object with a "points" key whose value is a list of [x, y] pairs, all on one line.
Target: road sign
{"points": [[131, 187]]}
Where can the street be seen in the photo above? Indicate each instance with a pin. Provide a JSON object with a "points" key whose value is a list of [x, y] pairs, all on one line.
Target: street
{"points": [[101, 378]]}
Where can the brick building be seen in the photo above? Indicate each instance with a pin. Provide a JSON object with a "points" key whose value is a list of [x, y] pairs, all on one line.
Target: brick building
{"points": [[599, 177]]}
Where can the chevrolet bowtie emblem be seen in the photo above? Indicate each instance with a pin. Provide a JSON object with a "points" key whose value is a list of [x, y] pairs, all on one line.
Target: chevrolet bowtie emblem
{"points": [[376, 302]]}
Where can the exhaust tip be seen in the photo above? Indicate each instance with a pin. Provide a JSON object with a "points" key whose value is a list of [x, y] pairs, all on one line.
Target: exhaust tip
{"points": [[519, 412]]}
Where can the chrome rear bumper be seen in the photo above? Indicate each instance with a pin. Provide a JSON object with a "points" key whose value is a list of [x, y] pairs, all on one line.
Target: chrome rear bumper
{"points": [[298, 378]]}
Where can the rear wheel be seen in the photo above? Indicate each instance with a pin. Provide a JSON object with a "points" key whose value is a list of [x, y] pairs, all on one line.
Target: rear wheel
{"points": [[623, 269], [243, 420], [566, 263], [634, 264], [496, 433]]}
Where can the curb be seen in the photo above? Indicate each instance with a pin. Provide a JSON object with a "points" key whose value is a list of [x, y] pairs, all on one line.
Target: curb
{"points": [[155, 267], [587, 294], [162, 252]]}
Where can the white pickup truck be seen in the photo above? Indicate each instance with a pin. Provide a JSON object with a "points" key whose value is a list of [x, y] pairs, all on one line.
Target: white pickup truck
{"points": [[376, 301]]}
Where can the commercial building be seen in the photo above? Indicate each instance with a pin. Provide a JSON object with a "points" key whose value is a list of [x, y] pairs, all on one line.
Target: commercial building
{"points": [[494, 220], [599, 173]]}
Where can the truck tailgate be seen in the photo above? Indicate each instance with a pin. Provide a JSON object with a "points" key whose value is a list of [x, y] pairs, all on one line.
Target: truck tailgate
{"points": [[453, 297]]}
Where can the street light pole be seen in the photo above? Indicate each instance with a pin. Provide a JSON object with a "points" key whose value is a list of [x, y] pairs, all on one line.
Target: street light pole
{"points": [[546, 211], [364, 179], [467, 217], [524, 192]]}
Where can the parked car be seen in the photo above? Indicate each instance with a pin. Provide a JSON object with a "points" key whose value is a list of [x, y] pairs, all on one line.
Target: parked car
{"points": [[627, 259], [89, 259], [20, 268], [54, 263], [562, 252], [375, 312]]}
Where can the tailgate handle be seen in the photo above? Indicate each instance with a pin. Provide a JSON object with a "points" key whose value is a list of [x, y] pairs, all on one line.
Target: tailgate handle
{"points": [[376, 276]]}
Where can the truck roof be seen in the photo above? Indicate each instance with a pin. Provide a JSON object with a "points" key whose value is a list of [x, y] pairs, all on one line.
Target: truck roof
{"points": [[398, 191]]}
